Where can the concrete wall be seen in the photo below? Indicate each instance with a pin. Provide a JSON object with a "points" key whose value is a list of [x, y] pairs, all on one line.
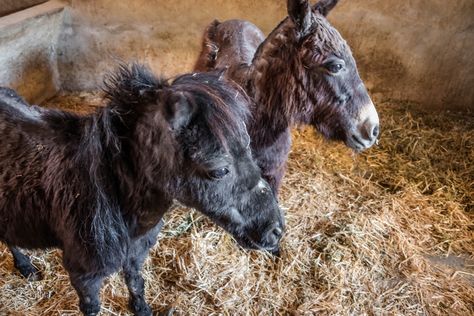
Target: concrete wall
{"points": [[28, 56], [416, 50], [166, 34]]}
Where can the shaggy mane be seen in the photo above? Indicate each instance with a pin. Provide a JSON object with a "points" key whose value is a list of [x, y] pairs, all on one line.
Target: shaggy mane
{"points": [[127, 86], [223, 102]]}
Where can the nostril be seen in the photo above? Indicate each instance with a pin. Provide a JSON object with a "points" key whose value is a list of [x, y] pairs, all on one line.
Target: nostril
{"points": [[369, 131], [277, 231], [375, 131], [273, 236]]}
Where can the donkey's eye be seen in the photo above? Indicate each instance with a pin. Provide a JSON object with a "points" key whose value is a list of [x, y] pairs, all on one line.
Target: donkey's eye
{"points": [[218, 173], [334, 68]]}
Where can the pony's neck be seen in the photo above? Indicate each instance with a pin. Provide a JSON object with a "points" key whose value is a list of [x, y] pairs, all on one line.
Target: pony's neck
{"points": [[134, 162], [277, 85]]}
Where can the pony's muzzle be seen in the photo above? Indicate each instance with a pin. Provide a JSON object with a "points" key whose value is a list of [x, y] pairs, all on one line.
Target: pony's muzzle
{"points": [[272, 238]]}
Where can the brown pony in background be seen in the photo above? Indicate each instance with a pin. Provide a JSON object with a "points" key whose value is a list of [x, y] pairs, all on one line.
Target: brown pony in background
{"points": [[302, 73]]}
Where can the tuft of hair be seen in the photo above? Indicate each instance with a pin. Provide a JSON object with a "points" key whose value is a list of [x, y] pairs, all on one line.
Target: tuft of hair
{"points": [[209, 50], [325, 6], [223, 104], [131, 84]]}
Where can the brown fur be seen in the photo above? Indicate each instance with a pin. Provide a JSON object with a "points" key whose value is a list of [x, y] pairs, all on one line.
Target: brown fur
{"points": [[287, 79]]}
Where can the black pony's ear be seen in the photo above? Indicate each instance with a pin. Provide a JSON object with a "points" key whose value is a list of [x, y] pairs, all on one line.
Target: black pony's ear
{"points": [[325, 6], [300, 13], [178, 111], [148, 95]]}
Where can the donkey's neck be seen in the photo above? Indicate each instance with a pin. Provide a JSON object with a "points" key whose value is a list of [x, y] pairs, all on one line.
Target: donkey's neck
{"points": [[278, 86]]}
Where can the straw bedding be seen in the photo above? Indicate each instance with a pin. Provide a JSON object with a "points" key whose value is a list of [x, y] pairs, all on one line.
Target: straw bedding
{"points": [[386, 232]]}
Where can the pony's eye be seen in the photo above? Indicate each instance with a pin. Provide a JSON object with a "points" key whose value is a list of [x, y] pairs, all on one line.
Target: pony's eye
{"points": [[334, 68], [218, 173]]}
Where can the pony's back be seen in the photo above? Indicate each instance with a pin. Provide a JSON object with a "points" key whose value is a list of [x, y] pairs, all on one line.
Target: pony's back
{"points": [[13, 106]]}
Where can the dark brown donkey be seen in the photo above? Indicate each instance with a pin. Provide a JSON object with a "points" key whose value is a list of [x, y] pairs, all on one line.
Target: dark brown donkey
{"points": [[302, 73]]}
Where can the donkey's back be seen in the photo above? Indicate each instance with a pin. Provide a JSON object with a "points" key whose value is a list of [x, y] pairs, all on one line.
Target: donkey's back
{"points": [[230, 43]]}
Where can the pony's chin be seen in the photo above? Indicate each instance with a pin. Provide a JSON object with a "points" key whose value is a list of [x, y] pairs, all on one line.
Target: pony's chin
{"points": [[336, 135], [251, 245]]}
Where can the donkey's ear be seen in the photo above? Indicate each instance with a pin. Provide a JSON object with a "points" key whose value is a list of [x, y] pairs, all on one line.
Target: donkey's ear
{"points": [[178, 111], [300, 13], [325, 6]]}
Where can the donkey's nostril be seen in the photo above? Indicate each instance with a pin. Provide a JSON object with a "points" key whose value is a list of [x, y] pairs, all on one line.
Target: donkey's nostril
{"points": [[369, 131], [375, 131]]}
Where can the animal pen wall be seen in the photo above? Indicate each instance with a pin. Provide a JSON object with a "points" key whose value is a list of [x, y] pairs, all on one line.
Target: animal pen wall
{"points": [[388, 231]]}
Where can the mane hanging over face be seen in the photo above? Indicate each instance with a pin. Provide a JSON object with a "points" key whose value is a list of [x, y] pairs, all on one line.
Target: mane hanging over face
{"points": [[302, 27], [324, 40], [223, 105]]}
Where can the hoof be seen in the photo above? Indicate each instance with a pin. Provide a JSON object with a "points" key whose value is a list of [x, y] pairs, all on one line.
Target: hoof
{"points": [[140, 308], [30, 272], [89, 310], [166, 312]]}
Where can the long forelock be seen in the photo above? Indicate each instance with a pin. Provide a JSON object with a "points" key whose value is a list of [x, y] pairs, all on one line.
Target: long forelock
{"points": [[325, 38], [223, 104]]}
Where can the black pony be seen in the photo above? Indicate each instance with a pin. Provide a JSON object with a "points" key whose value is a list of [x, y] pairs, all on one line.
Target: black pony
{"points": [[97, 186]]}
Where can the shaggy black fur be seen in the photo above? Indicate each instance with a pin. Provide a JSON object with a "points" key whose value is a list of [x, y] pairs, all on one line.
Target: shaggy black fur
{"points": [[97, 186]]}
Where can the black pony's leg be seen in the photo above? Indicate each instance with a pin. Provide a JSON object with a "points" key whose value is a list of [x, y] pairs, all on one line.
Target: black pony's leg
{"points": [[87, 288], [136, 284], [23, 265], [86, 278]]}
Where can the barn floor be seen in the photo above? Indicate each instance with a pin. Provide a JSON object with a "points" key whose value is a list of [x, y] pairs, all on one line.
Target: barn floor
{"points": [[386, 232]]}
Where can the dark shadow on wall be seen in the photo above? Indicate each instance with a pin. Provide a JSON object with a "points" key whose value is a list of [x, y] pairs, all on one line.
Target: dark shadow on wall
{"points": [[12, 6], [35, 78]]}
